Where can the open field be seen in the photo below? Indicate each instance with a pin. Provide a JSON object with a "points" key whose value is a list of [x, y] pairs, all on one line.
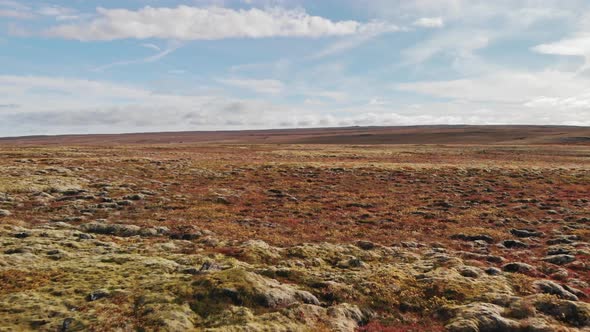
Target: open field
{"points": [[490, 236]]}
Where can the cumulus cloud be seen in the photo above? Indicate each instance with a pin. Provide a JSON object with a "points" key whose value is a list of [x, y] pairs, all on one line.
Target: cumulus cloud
{"points": [[429, 22], [195, 23]]}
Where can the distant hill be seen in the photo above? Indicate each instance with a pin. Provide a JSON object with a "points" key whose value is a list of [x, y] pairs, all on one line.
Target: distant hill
{"points": [[512, 135]]}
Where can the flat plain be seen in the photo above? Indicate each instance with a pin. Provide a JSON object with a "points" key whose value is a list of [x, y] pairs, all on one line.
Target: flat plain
{"points": [[488, 230]]}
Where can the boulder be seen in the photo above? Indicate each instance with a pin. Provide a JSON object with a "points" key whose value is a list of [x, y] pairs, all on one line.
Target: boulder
{"points": [[526, 233], [111, 229], [475, 317], [559, 259], [476, 237], [574, 313], [514, 244], [518, 267], [244, 287], [551, 287]]}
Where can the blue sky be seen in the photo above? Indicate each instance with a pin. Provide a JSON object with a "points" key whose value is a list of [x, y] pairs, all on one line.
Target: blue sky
{"points": [[137, 66]]}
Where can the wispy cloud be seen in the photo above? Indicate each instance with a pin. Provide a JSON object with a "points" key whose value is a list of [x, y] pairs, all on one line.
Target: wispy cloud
{"points": [[152, 46], [369, 32], [172, 47]]}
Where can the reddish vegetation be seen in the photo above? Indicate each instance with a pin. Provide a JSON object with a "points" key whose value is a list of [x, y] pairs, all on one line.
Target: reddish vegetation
{"points": [[286, 195], [468, 199]]}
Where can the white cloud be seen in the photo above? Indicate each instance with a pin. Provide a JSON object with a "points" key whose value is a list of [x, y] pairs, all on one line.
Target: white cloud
{"points": [[476, 24], [194, 23], [429, 22], [578, 45], [547, 97], [47, 105], [267, 86], [504, 87]]}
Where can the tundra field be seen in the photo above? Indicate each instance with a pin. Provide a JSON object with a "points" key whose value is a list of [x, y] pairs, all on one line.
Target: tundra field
{"points": [[294, 237]]}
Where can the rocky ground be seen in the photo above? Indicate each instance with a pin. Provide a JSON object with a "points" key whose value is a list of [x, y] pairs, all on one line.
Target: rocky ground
{"points": [[294, 238]]}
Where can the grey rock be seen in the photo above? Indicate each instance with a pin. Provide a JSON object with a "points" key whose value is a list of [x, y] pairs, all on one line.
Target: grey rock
{"points": [[574, 313], [526, 233], [22, 235], [564, 239], [464, 237], [476, 317], [97, 295], [493, 271], [559, 259], [135, 197], [559, 250], [469, 271], [512, 244], [365, 245], [550, 287], [518, 267], [111, 229]]}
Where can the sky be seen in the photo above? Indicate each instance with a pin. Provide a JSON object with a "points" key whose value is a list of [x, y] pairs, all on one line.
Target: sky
{"points": [[83, 66]]}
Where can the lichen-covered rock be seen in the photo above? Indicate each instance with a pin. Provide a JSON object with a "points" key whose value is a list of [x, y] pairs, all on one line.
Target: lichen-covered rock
{"points": [[485, 317], [259, 251], [513, 244], [518, 267], [110, 229], [526, 233], [469, 271], [572, 313], [243, 287], [473, 237], [345, 317], [551, 287], [559, 259]]}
